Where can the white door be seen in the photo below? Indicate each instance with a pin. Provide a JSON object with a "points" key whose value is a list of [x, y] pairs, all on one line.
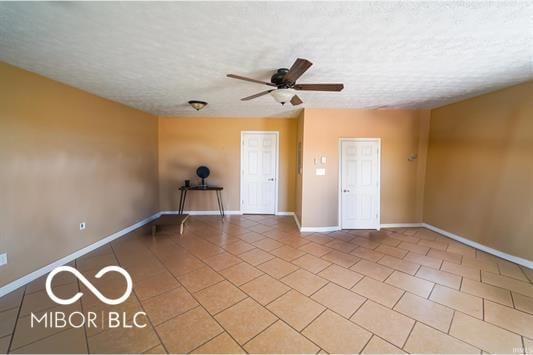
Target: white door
{"points": [[259, 172], [359, 187]]}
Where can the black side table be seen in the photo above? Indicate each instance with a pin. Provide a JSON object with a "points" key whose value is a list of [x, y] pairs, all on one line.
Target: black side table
{"points": [[185, 189]]}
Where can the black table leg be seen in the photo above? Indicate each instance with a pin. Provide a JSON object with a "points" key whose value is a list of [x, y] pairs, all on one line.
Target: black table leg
{"points": [[220, 205], [181, 202]]}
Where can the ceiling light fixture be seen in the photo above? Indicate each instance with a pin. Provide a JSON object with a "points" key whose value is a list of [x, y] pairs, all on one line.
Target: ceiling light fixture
{"points": [[197, 105], [283, 95]]}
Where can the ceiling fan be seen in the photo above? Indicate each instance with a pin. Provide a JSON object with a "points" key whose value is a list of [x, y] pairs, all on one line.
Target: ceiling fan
{"points": [[284, 81]]}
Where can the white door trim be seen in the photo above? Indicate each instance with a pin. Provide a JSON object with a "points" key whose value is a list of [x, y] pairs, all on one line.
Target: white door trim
{"points": [[276, 184], [339, 191]]}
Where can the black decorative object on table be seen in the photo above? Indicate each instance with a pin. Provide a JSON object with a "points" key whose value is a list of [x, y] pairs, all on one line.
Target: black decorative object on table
{"points": [[203, 172]]}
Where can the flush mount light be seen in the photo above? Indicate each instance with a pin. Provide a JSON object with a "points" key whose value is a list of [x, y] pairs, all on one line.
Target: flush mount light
{"points": [[283, 95], [197, 105]]}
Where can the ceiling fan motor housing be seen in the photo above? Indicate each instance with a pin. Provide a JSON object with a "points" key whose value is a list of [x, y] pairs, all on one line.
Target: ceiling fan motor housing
{"points": [[277, 78]]}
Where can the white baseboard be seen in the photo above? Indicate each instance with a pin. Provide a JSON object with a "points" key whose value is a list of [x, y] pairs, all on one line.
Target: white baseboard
{"points": [[320, 229], [401, 225], [204, 213], [285, 214], [464, 240], [13, 285]]}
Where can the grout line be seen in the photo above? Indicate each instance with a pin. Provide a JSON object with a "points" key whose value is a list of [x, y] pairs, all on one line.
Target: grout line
{"points": [[16, 321]]}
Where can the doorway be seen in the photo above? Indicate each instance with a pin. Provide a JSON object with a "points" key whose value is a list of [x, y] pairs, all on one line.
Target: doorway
{"points": [[359, 185], [259, 172]]}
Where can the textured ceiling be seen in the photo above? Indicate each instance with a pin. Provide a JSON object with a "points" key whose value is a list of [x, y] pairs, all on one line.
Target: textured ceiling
{"points": [[157, 56]]}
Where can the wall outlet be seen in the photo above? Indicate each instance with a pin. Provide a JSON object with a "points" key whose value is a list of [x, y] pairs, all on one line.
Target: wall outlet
{"points": [[3, 259], [82, 226]]}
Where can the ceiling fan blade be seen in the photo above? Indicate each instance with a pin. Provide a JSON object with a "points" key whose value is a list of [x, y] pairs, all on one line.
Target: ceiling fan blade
{"points": [[319, 87], [256, 95], [296, 100], [233, 76], [298, 68]]}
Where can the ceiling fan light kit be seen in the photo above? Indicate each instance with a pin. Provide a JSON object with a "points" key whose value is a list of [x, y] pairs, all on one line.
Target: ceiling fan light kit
{"points": [[284, 80]]}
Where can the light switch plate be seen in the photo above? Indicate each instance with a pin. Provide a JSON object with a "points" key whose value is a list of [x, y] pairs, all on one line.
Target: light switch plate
{"points": [[3, 259], [323, 160], [320, 172]]}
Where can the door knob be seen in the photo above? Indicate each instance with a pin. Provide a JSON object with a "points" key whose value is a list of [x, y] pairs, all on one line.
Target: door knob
{"points": [[345, 190], [271, 179]]}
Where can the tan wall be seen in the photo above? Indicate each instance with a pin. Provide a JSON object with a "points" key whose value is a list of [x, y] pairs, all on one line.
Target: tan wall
{"points": [[65, 157], [186, 143], [480, 170], [402, 133]]}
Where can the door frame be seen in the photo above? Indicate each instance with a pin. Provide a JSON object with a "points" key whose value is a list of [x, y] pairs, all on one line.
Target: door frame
{"points": [[276, 165], [341, 140]]}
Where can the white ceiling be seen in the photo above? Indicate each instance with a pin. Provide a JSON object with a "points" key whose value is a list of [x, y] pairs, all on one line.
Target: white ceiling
{"points": [[157, 56]]}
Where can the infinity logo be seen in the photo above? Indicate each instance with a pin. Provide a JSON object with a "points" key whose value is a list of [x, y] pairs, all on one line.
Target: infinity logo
{"points": [[89, 285]]}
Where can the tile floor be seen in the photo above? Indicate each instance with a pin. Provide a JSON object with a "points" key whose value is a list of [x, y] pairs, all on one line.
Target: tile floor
{"points": [[255, 284]]}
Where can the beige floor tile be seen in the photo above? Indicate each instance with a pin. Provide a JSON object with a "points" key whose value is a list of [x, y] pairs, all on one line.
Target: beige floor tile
{"points": [[425, 311], [39, 301], [461, 270], [71, 341], [511, 270], [296, 309], [221, 344], [428, 261], [4, 344], [410, 283], [7, 321], [341, 245], [267, 244], [440, 277], [219, 297], [487, 265], [279, 338], [367, 254], [378, 291], [426, 340], [341, 276], [245, 320], [222, 261], [433, 244], [365, 242], [376, 345], [311, 263], [60, 279], [483, 335], [487, 291], [509, 318], [96, 262], [376, 271], [183, 265], [238, 248], [392, 251], [277, 267], [460, 301], [444, 255], [527, 272], [158, 349], [315, 249], [461, 249], [168, 305], [304, 281], [256, 256], [399, 264], [386, 323], [265, 289], [11, 300], [123, 340], [339, 299], [241, 273], [287, 253], [252, 236], [524, 288], [336, 334], [415, 248], [199, 279], [528, 344], [155, 285], [342, 259], [522, 303], [177, 336]]}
